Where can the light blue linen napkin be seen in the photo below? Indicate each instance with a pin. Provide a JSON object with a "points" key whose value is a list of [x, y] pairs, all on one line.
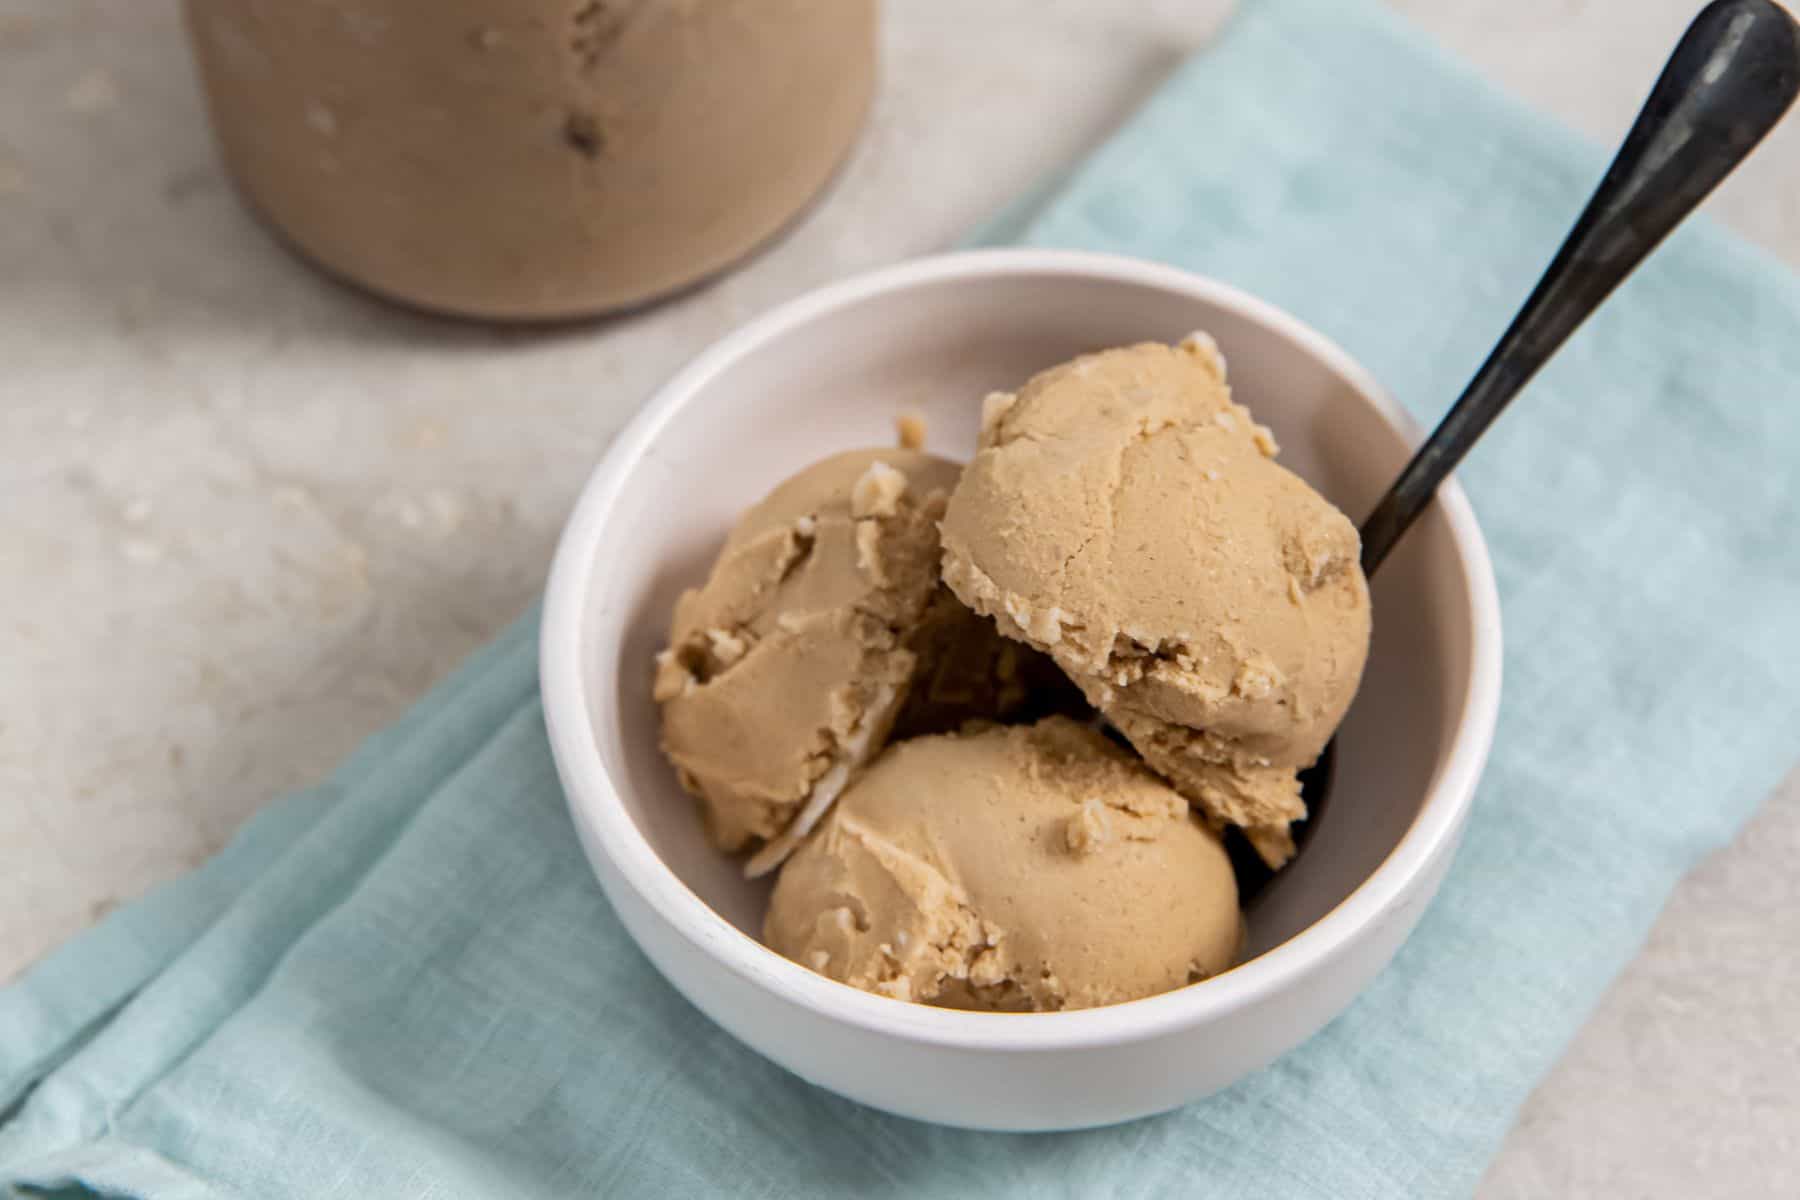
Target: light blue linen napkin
{"points": [[407, 984]]}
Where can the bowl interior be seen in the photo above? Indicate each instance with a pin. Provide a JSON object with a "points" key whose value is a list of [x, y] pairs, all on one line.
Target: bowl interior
{"points": [[832, 376]]}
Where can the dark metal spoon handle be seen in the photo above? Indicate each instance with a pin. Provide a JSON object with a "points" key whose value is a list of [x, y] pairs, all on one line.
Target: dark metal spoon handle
{"points": [[1730, 80]]}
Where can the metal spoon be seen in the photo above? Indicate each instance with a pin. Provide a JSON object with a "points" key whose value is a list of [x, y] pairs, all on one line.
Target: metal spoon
{"points": [[1733, 75]]}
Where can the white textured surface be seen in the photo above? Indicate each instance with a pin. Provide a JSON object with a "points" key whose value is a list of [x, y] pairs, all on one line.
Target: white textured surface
{"points": [[248, 516]]}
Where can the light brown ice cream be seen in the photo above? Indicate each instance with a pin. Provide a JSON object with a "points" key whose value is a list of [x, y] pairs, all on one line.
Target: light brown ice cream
{"points": [[1125, 516], [1011, 868], [786, 670], [823, 623]]}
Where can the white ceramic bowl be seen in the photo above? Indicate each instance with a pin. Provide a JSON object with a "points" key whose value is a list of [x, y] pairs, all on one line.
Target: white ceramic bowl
{"points": [[831, 371]]}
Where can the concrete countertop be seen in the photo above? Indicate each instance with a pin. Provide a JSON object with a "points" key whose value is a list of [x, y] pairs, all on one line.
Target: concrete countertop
{"points": [[249, 516]]}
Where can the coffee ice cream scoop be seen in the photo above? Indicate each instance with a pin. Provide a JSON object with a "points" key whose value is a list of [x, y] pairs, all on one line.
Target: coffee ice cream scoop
{"points": [[1012, 868], [1129, 519], [823, 624]]}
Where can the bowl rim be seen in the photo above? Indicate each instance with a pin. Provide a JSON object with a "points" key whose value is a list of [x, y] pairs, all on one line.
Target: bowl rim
{"points": [[598, 810]]}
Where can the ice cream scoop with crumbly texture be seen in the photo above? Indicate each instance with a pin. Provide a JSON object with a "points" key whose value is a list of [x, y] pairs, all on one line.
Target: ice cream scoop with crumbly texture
{"points": [[1014, 868], [1125, 516], [786, 669], [823, 622]]}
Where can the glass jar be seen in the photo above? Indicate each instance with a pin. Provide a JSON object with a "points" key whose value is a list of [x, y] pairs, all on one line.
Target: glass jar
{"points": [[532, 159]]}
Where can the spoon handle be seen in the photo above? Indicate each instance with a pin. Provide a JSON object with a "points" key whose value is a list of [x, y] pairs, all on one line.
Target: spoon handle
{"points": [[1730, 80]]}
